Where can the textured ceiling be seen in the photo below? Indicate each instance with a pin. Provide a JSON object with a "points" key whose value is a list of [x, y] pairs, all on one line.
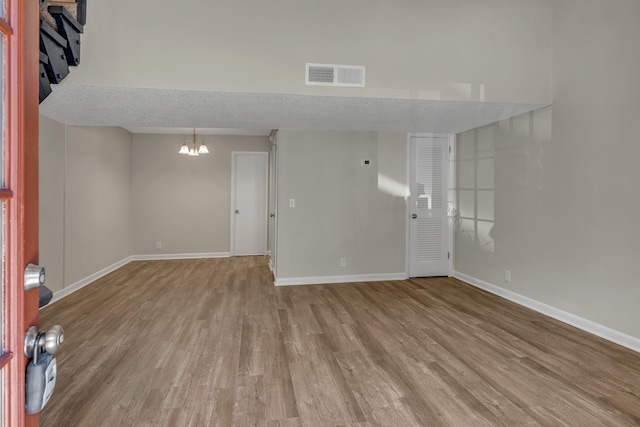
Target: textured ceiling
{"points": [[137, 109], [199, 131]]}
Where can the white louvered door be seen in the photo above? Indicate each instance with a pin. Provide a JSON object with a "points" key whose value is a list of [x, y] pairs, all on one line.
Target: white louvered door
{"points": [[428, 229]]}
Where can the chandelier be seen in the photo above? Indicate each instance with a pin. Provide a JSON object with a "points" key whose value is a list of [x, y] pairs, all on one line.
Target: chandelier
{"points": [[194, 150]]}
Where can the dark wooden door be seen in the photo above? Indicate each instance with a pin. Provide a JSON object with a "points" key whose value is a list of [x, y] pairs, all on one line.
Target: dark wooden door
{"points": [[18, 197]]}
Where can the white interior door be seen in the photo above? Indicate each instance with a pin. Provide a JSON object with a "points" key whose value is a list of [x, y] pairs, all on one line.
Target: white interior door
{"points": [[249, 203], [428, 223]]}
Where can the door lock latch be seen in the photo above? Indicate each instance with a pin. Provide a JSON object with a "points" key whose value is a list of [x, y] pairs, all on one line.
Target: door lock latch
{"points": [[34, 277]]}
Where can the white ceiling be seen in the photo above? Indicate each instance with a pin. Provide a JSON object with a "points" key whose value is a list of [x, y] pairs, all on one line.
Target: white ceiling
{"points": [[179, 111]]}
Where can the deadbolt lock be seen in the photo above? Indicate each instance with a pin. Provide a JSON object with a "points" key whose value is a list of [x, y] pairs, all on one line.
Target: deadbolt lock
{"points": [[34, 277]]}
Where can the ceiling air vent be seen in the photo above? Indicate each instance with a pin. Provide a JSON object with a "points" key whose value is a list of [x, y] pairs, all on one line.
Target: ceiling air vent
{"points": [[334, 75]]}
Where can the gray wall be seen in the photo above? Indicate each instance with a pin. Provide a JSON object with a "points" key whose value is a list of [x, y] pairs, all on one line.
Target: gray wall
{"points": [[566, 178], [51, 202], [493, 50], [342, 209], [85, 202], [184, 202], [106, 195], [97, 199]]}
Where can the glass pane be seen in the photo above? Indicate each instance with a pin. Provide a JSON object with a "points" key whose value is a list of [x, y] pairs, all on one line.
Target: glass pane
{"points": [[2, 383], [3, 109], [3, 213]]}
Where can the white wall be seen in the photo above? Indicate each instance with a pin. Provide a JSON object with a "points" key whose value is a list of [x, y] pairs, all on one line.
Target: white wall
{"points": [[490, 50], [566, 178], [85, 200], [342, 209], [184, 202]]}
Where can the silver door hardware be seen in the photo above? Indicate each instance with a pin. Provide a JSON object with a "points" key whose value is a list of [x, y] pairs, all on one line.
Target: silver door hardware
{"points": [[53, 339], [272, 215], [237, 211], [414, 216], [49, 341], [42, 369], [34, 277]]}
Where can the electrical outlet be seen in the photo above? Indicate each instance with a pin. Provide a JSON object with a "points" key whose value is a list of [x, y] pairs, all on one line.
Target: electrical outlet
{"points": [[343, 262], [507, 276], [292, 203], [158, 245]]}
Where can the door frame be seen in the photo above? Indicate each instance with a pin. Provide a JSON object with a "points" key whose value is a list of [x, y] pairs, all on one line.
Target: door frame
{"points": [[450, 196], [273, 200], [234, 155]]}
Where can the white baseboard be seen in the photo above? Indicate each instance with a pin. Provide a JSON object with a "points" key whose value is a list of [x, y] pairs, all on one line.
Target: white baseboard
{"points": [[586, 325], [68, 290], [318, 280], [181, 256]]}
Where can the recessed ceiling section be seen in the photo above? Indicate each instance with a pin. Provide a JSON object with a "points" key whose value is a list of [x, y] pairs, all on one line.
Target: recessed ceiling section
{"points": [[199, 131], [137, 109]]}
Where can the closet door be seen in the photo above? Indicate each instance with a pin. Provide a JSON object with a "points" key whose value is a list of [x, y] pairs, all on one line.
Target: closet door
{"points": [[428, 229]]}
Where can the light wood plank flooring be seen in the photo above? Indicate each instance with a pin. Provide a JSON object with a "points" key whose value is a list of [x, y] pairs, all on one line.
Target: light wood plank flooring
{"points": [[213, 343]]}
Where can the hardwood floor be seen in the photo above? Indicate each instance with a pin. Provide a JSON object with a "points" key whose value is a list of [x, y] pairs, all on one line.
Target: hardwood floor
{"points": [[212, 343]]}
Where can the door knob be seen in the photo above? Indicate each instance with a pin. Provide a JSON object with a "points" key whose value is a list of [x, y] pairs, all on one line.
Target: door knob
{"points": [[53, 339], [237, 211], [414, 216], [50, 341]]}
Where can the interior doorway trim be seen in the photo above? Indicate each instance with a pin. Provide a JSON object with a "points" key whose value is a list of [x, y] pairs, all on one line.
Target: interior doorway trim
{"points": [[272, 224]]}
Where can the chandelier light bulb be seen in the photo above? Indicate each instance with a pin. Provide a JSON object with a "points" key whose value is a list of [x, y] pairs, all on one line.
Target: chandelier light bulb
{"points": [[194, 150]]}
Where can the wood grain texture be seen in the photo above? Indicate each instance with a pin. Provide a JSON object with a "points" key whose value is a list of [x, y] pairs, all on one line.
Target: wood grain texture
{"points": [[212, 343]]}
